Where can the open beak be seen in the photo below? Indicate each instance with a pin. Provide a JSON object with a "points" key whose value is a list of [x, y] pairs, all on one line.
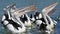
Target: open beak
{"points": [[49, 10], [25, 10]]}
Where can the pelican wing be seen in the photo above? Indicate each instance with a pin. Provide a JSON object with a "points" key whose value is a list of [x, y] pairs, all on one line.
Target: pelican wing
{"points": [[48, 10]]}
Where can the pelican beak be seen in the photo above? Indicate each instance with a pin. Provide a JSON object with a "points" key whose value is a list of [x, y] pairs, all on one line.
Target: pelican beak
{"points": [[48, 10], [26, 10]]}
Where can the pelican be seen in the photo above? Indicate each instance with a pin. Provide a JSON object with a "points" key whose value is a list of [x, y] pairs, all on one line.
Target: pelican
{"points": [[32, 18], [17, 14], [46, 23], [26, 20], [11, 24]]}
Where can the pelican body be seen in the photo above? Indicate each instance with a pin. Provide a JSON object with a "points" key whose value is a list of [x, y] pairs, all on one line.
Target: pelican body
{"points": [[11, 23], [12, 26], [26, 20], [43, 19]]}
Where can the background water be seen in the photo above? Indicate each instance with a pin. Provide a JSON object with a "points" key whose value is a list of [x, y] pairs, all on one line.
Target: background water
{"points": [[40, 5]]}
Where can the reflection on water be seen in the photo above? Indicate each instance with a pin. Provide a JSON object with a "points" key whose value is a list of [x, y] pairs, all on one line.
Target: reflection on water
{"points": [[30, 30], [47, 32]]}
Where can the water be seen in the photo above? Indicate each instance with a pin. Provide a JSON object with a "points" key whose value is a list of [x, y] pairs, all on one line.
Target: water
{"points": [[40, 5]]}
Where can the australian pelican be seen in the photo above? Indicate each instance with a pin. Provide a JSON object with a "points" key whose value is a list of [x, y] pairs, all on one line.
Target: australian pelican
{"points": [[26, 20], [46, 23], [17, 14], [10, 24]]}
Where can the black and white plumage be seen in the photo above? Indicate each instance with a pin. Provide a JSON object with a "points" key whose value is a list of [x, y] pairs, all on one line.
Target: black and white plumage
{"points": [[45, 26], [11, 25], [45, 22], [17, 14], [18, 25], [12, 21], [45, 12], [37, 18], [26, 20]]}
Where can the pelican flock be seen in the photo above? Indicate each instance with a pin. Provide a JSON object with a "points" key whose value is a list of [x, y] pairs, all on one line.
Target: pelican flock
{"points": [[16, 20]]}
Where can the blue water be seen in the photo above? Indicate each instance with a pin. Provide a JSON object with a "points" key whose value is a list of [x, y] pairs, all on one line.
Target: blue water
{"points": [[40, 5]]}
